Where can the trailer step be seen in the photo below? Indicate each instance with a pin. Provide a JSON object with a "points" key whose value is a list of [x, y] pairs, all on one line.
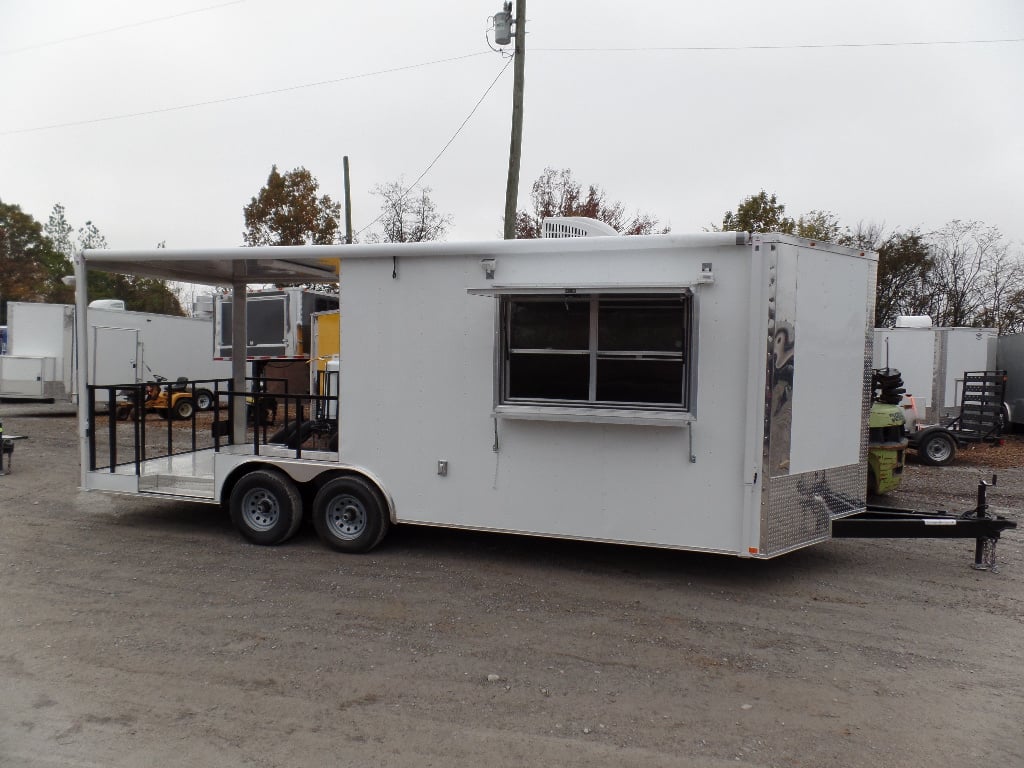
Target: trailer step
{"points": [[173, 485]]}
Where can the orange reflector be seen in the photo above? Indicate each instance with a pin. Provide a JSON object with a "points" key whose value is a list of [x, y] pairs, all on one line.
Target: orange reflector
{"points": [[752, 550]]}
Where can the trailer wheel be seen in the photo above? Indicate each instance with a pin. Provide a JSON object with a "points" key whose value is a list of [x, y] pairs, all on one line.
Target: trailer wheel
{"points": [[204, 399], [265, 507], [937, 449], [183, 409], [349, 515]]}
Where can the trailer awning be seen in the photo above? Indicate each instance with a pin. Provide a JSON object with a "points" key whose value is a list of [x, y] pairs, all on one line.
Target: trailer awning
{"points": [[272, 264], [537, 289]]}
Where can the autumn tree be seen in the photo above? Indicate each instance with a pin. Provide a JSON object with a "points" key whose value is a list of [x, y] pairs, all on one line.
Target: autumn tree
{"points": [[557, 193], [407, 216], [287, 211]]}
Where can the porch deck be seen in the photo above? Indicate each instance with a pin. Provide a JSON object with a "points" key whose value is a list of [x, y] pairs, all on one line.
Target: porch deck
{"points": [[189, 475]]}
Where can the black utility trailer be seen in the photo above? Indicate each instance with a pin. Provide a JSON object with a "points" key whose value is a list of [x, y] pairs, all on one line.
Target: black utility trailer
{"points": [[980, 420]]}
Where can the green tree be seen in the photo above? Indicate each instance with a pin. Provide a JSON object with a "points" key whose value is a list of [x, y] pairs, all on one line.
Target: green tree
{"points": [[24, 253], [819, 225], [407, 217], [904, 266], [557, 193], [759, 213], [139, 294], [287, 211]]}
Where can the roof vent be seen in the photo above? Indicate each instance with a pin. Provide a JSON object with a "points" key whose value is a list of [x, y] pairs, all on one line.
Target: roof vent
{"points": [[913, 321], [575, 226], [115, 304]]}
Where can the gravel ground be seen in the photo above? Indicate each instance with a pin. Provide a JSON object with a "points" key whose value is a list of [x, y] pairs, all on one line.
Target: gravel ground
{"points": [[142, 633]]}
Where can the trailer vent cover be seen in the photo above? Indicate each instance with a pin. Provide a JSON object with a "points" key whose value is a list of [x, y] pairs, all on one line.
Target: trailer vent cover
{"points": [[575, 226]]}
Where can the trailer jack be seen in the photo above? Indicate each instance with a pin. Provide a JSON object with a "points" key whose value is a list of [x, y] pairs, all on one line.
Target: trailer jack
{"points": [[880, 522]]}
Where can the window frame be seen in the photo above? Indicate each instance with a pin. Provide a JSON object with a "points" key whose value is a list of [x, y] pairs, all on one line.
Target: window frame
{"points": [[592, 409]]}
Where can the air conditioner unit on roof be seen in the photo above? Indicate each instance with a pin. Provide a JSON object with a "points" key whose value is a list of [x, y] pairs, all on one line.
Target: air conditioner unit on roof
{"points": [[575, 226]]}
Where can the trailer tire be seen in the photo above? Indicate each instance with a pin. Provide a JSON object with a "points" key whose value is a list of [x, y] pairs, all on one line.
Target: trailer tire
{"points": [[204, 400], [265, 507], [937, 449], [349, 514]]}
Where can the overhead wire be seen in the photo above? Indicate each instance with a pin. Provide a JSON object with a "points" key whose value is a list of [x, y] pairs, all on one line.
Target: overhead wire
{"points": [[228, 99], [637, 49], [786, 47], [445, 147], [133, 25]]}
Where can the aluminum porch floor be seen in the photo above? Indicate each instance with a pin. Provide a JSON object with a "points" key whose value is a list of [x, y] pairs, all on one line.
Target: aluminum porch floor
{"points": [[191, 475]]}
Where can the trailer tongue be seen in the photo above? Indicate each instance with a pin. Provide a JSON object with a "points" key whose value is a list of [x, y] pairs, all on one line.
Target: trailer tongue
{"points": [[880, 522]]}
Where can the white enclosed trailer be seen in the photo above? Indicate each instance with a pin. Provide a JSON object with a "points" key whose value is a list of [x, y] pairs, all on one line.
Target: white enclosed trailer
{"points": [[706, 392], [124, 348], [40, 359], [1010, 358], [933, 361], [277, 323]]}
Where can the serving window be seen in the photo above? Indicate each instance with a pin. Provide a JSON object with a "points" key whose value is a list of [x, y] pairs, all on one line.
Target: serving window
{"points": [[597, 350]]}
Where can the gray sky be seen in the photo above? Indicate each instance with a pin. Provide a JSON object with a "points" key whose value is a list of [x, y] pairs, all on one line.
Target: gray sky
{"points": [[905, 135]]}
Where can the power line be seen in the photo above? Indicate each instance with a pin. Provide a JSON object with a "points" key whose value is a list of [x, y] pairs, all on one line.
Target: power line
{"points": [[445, 147], [795, 46], [35, 46], [695, 49], [229, 99]]}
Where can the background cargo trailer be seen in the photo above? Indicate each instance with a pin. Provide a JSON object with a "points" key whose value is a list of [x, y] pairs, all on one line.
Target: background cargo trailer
{"points": [[277, 322], [124, 348], [1010, 357], [933, 361]]}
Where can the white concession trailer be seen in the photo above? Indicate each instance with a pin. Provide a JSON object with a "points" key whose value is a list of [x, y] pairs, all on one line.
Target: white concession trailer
{"points": [[704, 392]]}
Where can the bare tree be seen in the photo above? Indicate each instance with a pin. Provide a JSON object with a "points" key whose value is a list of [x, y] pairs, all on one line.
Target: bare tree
{"points": [[1003, 292], [557, 193], [407, 216], [964, 255]]}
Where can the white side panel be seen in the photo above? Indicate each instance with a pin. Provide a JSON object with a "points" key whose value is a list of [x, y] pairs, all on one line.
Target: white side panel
{"points": [[169, 346], [1010, 358], [22, 376], [417, 384], [912, 352], [966, 349], [115, 356], [36, 329], [828, 375]]}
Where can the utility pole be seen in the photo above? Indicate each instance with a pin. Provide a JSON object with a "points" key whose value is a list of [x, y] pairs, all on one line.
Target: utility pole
{"points": [[516, 144], [348, 203]]}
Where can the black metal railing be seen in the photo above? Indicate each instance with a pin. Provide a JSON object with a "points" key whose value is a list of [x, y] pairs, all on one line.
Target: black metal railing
{"points": [[128, 438]]}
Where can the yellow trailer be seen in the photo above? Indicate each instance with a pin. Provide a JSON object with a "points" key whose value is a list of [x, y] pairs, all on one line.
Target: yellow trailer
{"points": [[325, 347]]}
